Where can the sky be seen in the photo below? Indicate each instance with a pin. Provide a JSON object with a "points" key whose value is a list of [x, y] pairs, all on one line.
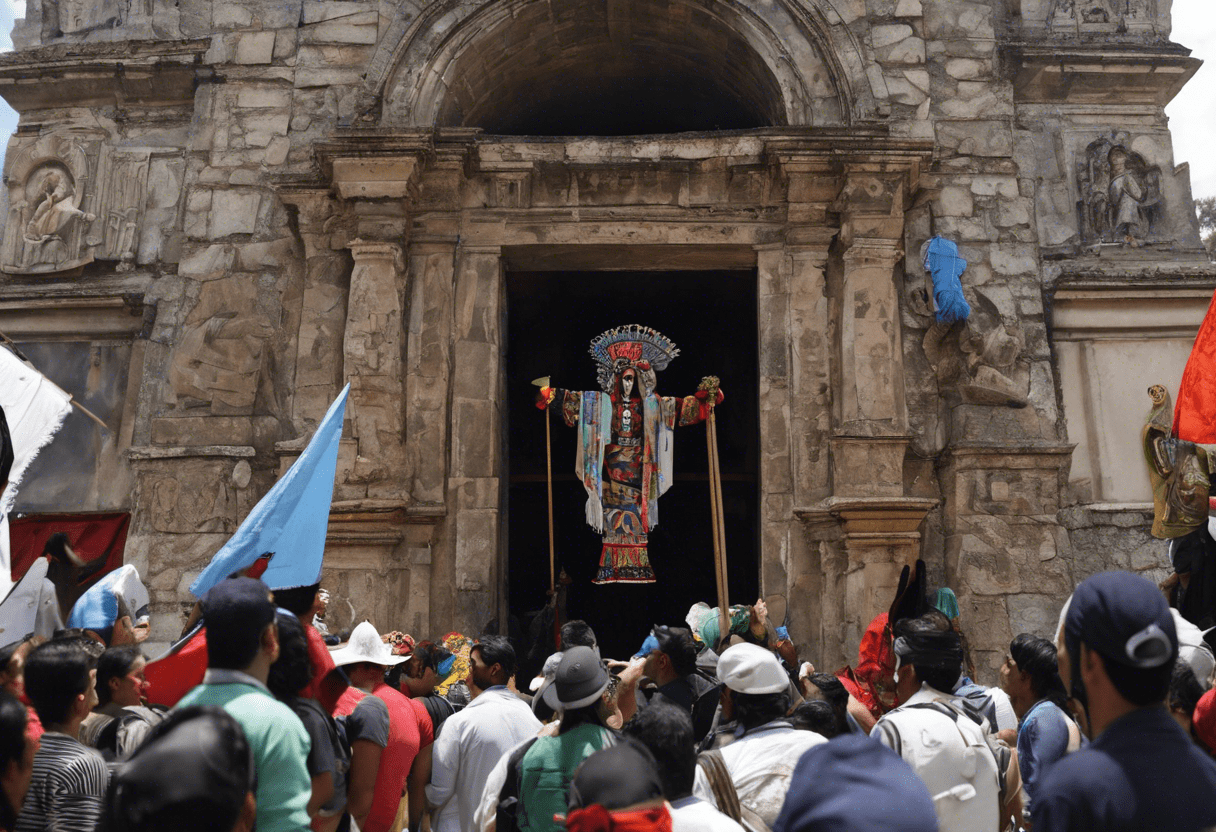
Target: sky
{"points": [[1192, 114]]}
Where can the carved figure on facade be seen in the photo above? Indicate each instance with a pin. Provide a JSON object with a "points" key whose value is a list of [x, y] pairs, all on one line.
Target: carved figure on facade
{"points": [[975, 350], [1120, 192], [219, 360], [72, 200]]}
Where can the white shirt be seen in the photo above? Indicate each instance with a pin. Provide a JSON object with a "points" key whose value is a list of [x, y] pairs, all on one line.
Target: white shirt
{"points": [[472, 742], [945, 753], [760, 764], [691, 814]]}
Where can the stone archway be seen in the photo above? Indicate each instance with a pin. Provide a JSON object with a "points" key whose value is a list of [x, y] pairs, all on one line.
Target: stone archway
{"points": [[803, 45]]}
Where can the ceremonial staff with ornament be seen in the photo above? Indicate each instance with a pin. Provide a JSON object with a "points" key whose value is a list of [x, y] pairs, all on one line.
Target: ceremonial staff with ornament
{"points": [[625, 445]]}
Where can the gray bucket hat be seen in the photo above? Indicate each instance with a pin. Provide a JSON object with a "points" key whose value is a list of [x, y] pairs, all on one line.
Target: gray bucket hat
{"points": [[580, 680]]}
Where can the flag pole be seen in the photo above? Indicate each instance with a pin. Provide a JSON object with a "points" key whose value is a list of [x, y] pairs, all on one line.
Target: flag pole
{"points": [[710, 385]]}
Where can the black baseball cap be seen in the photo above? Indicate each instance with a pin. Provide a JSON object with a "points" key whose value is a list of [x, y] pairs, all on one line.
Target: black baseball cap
{"points": [[191, 775], [616, 777], [238, 605], [1124, 618]]}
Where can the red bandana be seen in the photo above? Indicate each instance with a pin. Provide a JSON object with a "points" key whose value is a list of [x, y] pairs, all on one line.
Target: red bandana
{"points": [[596, 818]]}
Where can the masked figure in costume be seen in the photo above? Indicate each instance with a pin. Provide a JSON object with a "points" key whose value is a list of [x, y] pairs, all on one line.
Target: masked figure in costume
{"points": [[624, 456]]}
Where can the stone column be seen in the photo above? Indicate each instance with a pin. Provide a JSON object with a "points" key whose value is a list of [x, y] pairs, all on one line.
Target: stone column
{"points": [[373, 347]]}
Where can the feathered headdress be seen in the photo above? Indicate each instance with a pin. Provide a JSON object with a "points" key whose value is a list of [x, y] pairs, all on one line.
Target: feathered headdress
{"points": [[632, 345]]}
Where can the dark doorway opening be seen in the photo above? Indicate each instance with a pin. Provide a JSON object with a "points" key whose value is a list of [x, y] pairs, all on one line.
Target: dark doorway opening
{"points": [[711, 317]]}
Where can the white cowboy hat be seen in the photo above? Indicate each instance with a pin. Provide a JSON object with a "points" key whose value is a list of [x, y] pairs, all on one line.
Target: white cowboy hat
{"points": [[365, 646]]}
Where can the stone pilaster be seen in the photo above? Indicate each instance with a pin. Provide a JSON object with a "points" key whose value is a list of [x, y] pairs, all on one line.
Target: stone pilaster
{"points": [[372, 348]]}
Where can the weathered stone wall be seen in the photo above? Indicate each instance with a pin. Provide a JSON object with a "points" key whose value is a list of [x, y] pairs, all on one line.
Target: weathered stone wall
{"points": [[269, 192]]}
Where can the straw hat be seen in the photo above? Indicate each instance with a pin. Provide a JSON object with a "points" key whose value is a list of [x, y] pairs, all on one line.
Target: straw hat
{"points": [[365, 645]]}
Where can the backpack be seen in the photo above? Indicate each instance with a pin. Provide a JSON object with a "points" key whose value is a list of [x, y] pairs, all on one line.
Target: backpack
{"points": [[968, 709], [725, 793], [107, 738], [507, 815]]}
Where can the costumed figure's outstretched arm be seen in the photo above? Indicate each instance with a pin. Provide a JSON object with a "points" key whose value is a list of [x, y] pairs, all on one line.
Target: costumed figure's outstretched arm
{"points": [[565, 402], [695, 408]]}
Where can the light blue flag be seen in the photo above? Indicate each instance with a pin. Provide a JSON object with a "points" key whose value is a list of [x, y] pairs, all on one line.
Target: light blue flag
{"points": [[291, 520]]}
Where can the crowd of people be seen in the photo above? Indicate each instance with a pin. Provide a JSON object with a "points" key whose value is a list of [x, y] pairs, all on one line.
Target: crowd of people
{"points": [[1110, 726]]}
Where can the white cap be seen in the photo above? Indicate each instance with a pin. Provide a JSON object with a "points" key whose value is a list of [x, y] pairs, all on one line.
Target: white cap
{"points": [[365, 645], [748, 668]]}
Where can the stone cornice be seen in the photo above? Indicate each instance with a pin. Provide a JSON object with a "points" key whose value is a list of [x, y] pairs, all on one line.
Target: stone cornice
{"points": [[1099, 73], [122, 73]]}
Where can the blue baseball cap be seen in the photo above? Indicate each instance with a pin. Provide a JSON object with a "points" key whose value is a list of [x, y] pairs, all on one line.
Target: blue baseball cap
{"points": [[648, 646], [853, 783], [1124, 618]]}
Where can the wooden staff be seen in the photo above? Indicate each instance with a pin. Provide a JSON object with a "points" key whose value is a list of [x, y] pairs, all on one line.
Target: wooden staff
{"points": [[710, 385], [543, 383]]}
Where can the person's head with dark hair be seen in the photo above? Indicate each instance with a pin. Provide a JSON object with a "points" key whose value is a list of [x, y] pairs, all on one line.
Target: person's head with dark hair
{"points": [[816, 715], [670, 654], [7, 454], [83, 640], [120, 676], [1031, 674], [302, 601], [756, 687], [491, 662], [241, 632], [194, 773], [667, 731], [429, 666], [577, 633], [292, 670], [12, 664], [17, 751], [828, 688], [1185, 693], [59, 549], [1120, 645], [927, 652], [60, 682]]}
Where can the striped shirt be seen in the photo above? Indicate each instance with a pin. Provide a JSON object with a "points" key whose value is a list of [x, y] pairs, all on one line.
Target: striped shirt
{"points": [[68, 787]]}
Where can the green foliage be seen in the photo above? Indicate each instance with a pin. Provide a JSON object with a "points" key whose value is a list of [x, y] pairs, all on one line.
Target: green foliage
{"points": [[1205, 210]]}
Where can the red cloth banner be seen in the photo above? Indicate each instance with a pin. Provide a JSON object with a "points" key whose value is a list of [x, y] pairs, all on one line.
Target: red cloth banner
{"points": [[92, 536], [1195, 407]]}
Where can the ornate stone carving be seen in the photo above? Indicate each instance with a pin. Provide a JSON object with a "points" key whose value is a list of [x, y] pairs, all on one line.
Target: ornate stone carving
{"points": [[71, 201], [1068, 13], [1120, 194], [979, 359], [220, 358]]}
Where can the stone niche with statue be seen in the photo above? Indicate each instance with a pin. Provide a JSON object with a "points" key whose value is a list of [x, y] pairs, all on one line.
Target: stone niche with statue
{"points": [[72, 200]]}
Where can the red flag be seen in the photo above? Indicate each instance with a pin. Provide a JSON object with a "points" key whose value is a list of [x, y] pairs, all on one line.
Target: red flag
{"points": [[1195, 410], [172, 676]]}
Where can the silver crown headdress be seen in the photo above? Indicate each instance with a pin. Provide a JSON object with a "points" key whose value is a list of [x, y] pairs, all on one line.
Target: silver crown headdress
{"points": [[628, 346]]}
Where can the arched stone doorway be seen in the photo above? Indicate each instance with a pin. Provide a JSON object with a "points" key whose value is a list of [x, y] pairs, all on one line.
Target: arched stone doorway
{"points": [[435, 216]]}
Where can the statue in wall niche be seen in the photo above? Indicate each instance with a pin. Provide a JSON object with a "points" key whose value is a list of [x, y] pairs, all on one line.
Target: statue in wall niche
{"points": [[72, 200], [1120, 192], [974, 350]]}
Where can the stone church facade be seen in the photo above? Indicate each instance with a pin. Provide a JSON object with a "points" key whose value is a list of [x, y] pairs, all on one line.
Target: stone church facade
{"points": [[236, 207]]}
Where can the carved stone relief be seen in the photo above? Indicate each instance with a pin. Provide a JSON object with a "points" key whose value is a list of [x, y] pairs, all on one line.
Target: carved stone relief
{"points": [[1067, 14], [219, 361], [72, 200], [1120, 194], [979, 360]]}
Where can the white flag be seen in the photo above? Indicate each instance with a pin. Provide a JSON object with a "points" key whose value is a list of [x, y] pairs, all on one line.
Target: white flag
{"points": [[35, 409]]}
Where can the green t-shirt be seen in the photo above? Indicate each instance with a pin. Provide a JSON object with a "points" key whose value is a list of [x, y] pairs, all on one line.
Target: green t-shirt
{"points": [[547, 769], [280, 747]]}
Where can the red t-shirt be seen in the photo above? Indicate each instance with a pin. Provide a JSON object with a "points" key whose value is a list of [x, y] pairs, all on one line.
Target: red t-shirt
{"points": [[409, 729]]}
